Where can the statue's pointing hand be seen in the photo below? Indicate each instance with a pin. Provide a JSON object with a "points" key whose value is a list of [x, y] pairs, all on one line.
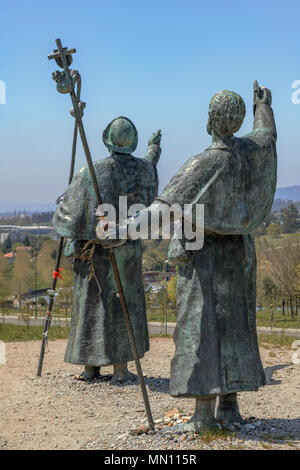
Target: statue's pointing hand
{"points": [[155, 138], [261, 95]]}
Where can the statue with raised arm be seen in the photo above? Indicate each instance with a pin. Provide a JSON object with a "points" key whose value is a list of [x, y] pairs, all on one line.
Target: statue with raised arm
{"points": [[217, 352], [98, 334]]}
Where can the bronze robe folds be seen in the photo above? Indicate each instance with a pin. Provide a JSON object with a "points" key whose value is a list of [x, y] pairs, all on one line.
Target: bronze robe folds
{"points": [[215, 337], [98, 334]]}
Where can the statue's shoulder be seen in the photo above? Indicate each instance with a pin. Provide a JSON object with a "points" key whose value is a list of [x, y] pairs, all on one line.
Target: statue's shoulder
{"points": [[257, 139], [116, 163], [98, 164], [103, 162], [202, 161], [141, 164], [144, 164], [101, 167], [104, 166], [190, 170], [80, 175], [193, 176]]}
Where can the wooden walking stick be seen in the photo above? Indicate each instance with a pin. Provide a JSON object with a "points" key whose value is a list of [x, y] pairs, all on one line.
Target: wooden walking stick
{"points": [[66, 83], [56, 274]]}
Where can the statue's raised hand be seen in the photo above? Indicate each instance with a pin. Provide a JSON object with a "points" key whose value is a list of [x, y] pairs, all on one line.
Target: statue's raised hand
{"points": [[155, 138], [261, 95]]}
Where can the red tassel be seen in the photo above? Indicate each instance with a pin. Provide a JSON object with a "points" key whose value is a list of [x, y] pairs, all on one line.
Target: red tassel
{"points": [[56, 273]]}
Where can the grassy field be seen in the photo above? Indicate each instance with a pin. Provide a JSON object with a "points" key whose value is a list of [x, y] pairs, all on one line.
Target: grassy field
{"points": [[41, 311], [279, 321], [282, 240], [262, 319], [275, 340], [158, 316], [9, 333]]}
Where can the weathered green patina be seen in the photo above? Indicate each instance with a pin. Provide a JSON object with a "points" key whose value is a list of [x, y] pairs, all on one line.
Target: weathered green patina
{"points": [[216, 341], [98, 334], [215, 337], [235, 178]]}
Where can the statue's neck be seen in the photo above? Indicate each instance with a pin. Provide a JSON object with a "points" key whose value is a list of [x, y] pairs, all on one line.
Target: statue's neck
{"points": [[216, 139], [222, 143]]}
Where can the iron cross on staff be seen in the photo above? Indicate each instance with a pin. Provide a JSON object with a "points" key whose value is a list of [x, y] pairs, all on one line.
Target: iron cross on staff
{"points": [[63, 58], [52, 291]]}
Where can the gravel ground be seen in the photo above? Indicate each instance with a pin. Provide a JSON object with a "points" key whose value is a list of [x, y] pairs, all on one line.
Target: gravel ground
{"points": [[58, 412]]}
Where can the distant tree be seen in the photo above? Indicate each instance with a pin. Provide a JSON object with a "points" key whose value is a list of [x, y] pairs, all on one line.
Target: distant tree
{"points": [[261, 230], [269, 288], [171, 289], [298, 278], [6, 245], [282, 262], [46, 263], [27, 241], [270, 293], [155, 254], [42, 217], [280, 204], [271, 218], [5, 287], [23, 273], [65, 287], [290, 219], [38, 241]]}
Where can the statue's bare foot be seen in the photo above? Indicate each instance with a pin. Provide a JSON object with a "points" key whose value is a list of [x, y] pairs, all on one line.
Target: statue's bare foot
{"points": [[83, 377], [228, 409], [121, 373], [90, 373], [196, 426], [124, 378], [203, 418]]}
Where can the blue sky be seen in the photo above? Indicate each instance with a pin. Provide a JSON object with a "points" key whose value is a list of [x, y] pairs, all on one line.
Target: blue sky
{"points": [[157, 62]]}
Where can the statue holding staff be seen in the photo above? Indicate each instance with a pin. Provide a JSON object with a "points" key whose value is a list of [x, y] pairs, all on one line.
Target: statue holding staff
{"points": [[98, 335]]}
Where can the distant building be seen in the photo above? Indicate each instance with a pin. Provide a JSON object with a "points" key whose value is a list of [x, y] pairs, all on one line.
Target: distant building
{"points": [[170, 272], [30, 295], [18, 233], [152, 276], [157, 276], [10, 302]]}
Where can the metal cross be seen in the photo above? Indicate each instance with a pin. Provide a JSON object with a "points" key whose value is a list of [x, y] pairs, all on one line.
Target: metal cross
{"points": [[62, 51]]}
